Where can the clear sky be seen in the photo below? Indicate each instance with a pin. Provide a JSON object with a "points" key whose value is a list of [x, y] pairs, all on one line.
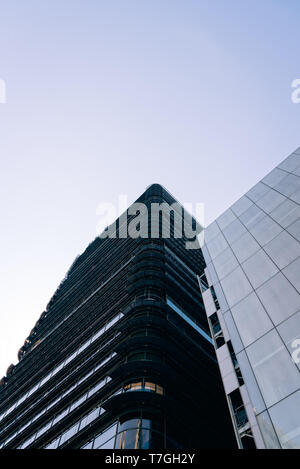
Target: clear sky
{"points": [[105, 97]]}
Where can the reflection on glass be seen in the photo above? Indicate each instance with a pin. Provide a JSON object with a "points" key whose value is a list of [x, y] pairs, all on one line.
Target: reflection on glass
{"points": [[279, 298], [265, 230], [290, 332], [236, 286], [283, 249], [259, 268], [275, 372], [251, 319], [133, 438], [267, 431], [286, 420]]}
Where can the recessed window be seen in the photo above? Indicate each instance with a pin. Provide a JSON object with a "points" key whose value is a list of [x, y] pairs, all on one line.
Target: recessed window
{"points": [[143, 386]]}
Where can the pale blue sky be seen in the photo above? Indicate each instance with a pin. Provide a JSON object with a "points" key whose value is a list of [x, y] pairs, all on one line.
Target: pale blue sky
{"points": [[106, 97]]}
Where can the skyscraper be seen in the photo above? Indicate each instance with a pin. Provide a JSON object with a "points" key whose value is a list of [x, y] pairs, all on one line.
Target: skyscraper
{"points": [[122, 356], [251, 291]]}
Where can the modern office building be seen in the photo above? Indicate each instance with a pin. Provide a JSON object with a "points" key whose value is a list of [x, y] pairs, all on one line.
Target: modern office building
{"points": [[122, 356], [251, 292]]}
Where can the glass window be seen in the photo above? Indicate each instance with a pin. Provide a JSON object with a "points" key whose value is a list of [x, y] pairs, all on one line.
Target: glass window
{"points": [[252, 216], [29, 441], [87, 445], [286, 420], [270, 201], [234, 231], [69, 433], [133, 386], [292, 273], [112, 322], [259, 268], [47, 426], [203, 282], [265, 230], [188, 320], [83, 347], [98, 334], [105, 436], [274, 177], [251, 384], [128, 439], [131, 423], [283, 249], [241, 205], [22, 399], [78, 402], [53, 444], [212, 273], [286, 213], [234, 335], [296, 169], [289, 330], [54, 402], [225, 263], [279, 298], [236, 286], [60, 416], [221, 298], [110, 444], [216, 246], [275, 372], [211, 232], [290, 163], [225, 219], [58, 368], [251, 319], [244, 247], [150, 386], [44, 380], [96, 387], [257, 192], [267, 430], [89, 418], [206, 253], [42, 430], [294, 229], [288, 185], [145, 439], [70, 358], [296, 195], [137, 437]]}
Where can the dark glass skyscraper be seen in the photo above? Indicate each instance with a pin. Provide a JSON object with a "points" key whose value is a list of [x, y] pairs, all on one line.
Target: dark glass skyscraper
{"points": [[122, 356]]}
